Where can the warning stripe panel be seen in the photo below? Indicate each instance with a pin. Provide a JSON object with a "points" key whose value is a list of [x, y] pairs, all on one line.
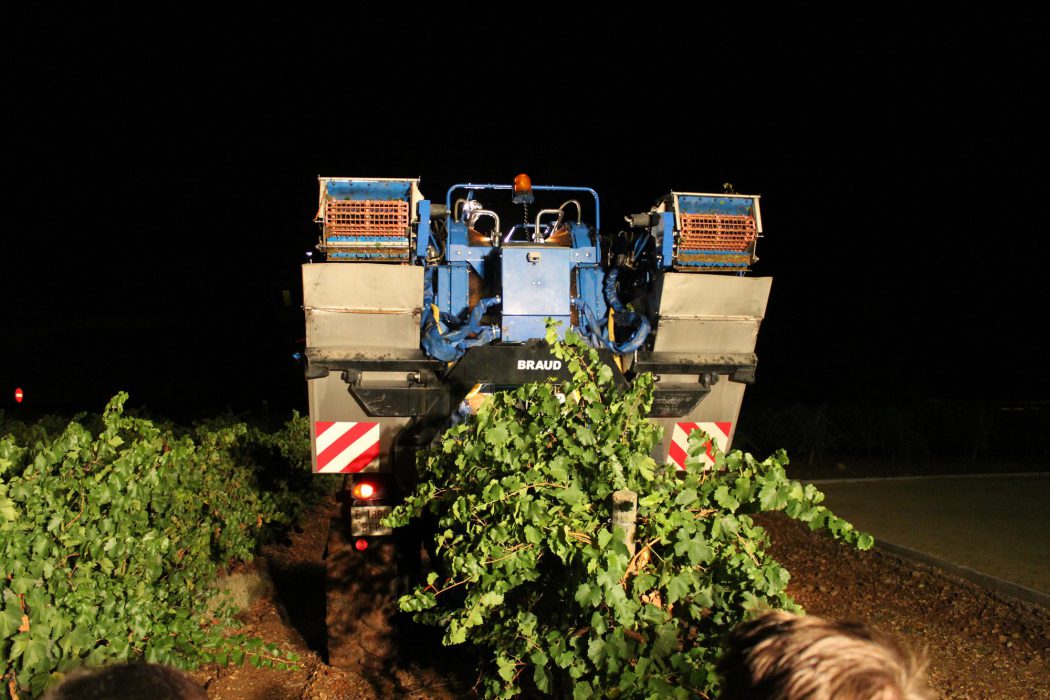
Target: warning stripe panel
{"points": [[677, 451], [345, 446], [335, 441]]}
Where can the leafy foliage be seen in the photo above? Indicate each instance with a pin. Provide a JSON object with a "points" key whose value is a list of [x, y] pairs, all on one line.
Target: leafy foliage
{"points": [[530, 569], [110, 540]]}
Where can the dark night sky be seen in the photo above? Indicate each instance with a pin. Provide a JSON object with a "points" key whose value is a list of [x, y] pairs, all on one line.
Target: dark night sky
{"points": [[159, 182]]}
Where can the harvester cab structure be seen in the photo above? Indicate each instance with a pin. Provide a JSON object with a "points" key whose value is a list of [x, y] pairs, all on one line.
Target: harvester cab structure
{"points": [[420, 308]]}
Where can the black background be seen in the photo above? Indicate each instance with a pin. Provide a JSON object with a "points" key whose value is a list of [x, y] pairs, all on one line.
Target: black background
{"points": [[159, 180]]}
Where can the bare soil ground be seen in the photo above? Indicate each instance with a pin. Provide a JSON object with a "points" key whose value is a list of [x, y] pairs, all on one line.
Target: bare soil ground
{"points": [[980, 644], [291, 613]]}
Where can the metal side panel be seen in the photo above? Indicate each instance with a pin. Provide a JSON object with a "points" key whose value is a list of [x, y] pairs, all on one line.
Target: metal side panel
{"points": [[707, 335], [362, 305], [722, 405], [356, 307], [699, 295], [709, 313], [351, 447], [704, 313]]}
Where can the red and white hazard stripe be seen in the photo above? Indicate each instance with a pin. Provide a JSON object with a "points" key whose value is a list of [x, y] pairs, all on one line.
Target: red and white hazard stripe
{"points": [[676, 451], [345, 447]]}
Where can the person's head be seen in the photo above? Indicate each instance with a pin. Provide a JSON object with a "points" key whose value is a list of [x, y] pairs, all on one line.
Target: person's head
{"points": [[780, 656], [128, 682]]}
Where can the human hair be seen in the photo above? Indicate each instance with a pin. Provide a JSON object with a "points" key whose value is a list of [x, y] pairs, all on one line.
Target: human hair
{"points": [[781, 656], [128, 682]]}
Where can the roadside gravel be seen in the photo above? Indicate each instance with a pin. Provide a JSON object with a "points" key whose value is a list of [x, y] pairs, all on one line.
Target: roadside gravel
{"points": [[980, 644]]}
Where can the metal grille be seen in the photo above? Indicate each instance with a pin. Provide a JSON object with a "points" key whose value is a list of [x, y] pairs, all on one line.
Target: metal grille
{"points": [[366, 217], [716, 232]]}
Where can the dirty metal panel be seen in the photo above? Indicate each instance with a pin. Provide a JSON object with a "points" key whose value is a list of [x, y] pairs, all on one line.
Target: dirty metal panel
{"points": [[423, 237], [330, 400], [518, 329], [699, 295], [724, 205], [704, 313], [707, 335], [363, 305], [722, 405], [536, 281], [665, 235], [365, 286], [341, 329]]}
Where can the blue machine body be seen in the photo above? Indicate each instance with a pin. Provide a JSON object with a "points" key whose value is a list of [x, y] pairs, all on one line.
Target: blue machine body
{"points": [[360, 190], [536, 285], [502, 286], [536, 281], [663, 232]]}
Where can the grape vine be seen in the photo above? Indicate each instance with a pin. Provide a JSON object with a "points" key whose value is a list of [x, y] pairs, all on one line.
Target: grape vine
{"points": [[110, 540], [529, 568]]}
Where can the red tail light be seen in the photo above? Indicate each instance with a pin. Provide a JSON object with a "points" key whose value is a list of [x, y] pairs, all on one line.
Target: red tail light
{"points": [[364, 491]]}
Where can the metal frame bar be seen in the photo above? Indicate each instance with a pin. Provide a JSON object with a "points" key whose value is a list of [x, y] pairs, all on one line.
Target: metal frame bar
{"points": [[545, 188]]}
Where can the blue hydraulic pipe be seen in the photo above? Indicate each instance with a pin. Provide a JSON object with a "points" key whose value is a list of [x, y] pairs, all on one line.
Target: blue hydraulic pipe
{"points": [[473, 325], [433, 343], [640, 334], [601, 334], [611, 298], [450, 346], [639, 245]]}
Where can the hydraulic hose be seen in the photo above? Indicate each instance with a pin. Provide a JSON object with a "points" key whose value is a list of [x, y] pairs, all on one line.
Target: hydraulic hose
{"points": [[450, 346], [641, 332], [432, 342], [622, 314], [611, 297]]}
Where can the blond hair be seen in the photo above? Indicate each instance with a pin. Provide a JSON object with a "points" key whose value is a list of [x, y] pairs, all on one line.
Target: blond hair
{"points": [[781, 656]]}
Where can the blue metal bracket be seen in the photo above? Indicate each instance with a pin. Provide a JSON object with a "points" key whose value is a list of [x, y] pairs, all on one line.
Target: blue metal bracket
{"points": [[666, 239], [423, 229], [370, 189]]}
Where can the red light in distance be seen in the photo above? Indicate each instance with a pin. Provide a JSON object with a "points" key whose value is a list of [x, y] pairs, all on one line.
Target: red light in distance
{"points": [[18, 395], [361, 545]]}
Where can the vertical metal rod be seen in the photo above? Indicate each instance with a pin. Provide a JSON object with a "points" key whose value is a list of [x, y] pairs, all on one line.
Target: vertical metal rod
{"points": [[624, 515]]}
